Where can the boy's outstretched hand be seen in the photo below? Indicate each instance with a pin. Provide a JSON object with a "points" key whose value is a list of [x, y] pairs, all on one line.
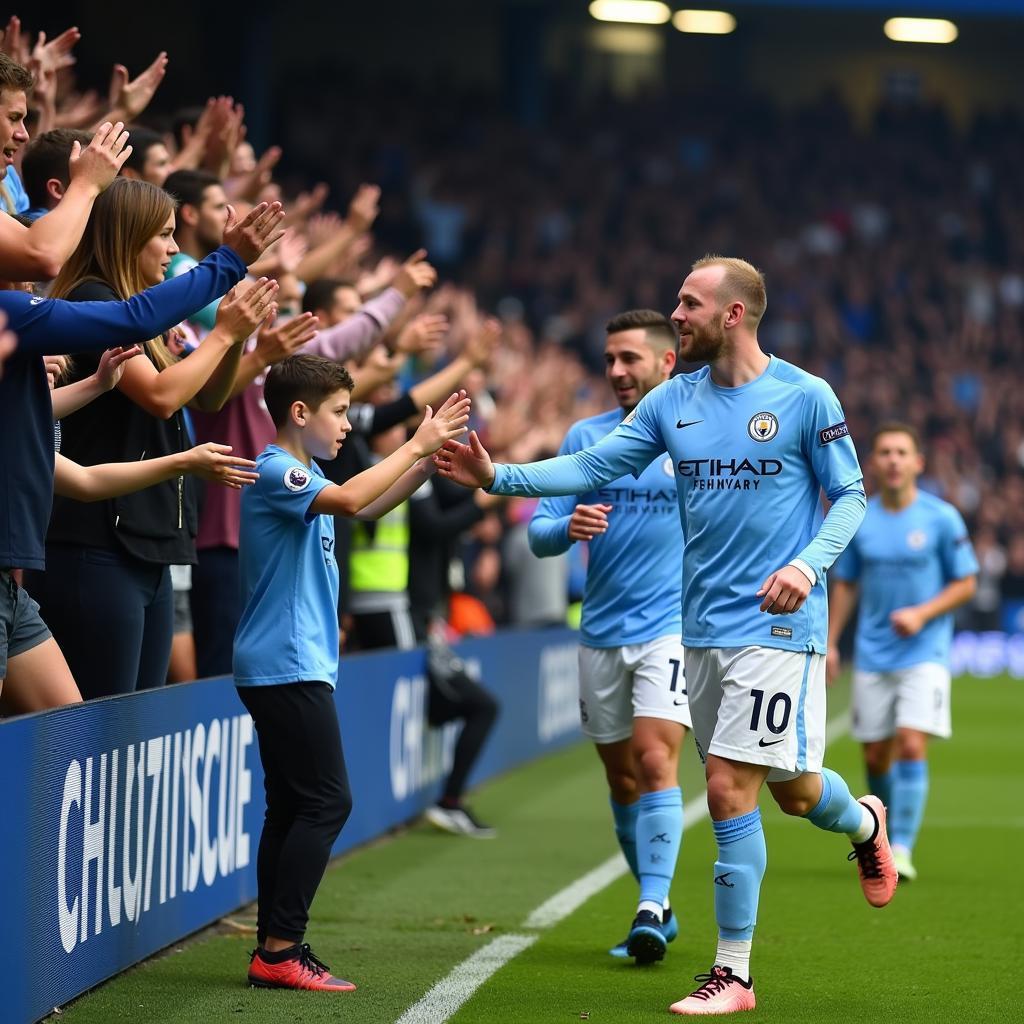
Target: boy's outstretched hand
{"points": [[442, 426], [466, 464]]}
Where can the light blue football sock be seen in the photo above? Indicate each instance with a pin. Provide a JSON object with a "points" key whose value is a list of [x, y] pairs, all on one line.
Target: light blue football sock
{"points": [[624, 816], [659, 834], [881, 786], [909, 795], [742, 858], [836, 811]]}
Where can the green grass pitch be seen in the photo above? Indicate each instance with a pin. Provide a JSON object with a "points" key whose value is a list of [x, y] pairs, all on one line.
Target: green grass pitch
{"points": [[398, 915]]}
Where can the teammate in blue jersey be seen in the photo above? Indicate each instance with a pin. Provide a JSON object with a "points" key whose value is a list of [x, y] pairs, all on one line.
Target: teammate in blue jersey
{"points": [[912, 564], [753, 441], [286, 646], [632, 685]]}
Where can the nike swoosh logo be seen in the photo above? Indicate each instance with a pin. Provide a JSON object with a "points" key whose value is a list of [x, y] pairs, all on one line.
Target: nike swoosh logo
{"points": [[770, 743], [678, 702], [689, 423]]}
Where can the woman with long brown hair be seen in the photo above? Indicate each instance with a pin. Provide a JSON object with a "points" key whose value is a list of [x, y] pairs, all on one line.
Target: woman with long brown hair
{"points": [[106, 593]]}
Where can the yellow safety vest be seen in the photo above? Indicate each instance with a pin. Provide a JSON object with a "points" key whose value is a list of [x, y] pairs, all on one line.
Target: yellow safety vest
{"points": [[380, 562]]}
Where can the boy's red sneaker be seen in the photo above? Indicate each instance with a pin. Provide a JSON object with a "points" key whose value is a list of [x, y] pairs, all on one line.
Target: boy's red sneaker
{"points": [[302, 970]]}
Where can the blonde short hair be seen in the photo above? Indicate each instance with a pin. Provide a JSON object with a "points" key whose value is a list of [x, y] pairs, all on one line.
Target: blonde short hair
{"points": [[742, 280]]}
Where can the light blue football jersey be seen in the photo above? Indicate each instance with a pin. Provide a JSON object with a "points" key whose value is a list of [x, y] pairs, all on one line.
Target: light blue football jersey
{"points": [[901, 559], [749, 465], [634, 586], [288, 632]]}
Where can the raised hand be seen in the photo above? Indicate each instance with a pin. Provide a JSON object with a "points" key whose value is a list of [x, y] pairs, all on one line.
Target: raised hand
{"points": [[55, 55], [483, 343], [466, 464], [308, 203], [363, 209], [258, 231], [130, 98], [13, 43], [98, 164], [422, 334], [415, 274], [215, 463], [443, 426], [588, 521], [243, 309], [279, 341], [111, 365]]}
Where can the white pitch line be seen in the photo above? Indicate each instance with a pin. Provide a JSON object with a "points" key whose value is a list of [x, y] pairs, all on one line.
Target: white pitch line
{"points": [[573, 896], [445, 998], [443, 1001]]}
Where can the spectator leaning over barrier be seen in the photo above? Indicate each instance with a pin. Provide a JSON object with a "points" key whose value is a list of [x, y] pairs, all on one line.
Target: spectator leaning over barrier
{"points": [[286, 648], [108, 562], [36, 673]]}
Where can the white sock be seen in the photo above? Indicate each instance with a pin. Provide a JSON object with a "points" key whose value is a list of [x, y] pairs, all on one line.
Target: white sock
{"points": [[867, 826], [654, 908], [665, 905], [735, 954]]}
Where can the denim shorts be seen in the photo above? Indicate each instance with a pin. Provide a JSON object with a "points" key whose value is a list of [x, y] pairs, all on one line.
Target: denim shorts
{"points": [[21, 627]]}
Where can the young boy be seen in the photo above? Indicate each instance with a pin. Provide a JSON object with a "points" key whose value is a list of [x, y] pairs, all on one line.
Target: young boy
{"points": [[286, 646]]}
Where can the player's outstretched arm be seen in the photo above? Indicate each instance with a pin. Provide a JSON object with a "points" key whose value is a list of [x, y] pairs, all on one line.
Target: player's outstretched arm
{"points": [[363, 490], [466, 464], [842, 600], [212, 462]]}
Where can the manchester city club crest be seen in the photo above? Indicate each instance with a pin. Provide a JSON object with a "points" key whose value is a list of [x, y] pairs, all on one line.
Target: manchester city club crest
{"points": [[763, 426]]}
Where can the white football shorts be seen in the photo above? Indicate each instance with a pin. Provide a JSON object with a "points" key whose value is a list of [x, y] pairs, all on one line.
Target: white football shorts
{"points": [[618, 684], [759, 705], [916, 697]]}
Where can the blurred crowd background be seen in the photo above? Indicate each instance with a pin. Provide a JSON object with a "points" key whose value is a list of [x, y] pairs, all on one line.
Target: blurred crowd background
{"points": [[558, 171]]}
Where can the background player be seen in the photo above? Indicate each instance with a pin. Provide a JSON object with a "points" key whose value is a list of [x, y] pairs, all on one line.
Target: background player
{"points": [[632, 687], [286, 647], [914, 564], [754, 440]]}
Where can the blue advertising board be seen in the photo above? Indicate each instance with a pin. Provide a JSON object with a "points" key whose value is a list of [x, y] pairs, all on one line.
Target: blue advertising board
{"points": [[133, 821]]}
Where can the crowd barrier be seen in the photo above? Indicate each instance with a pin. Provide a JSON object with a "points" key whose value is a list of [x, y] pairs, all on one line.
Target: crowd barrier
{"points": [[131, 822]]}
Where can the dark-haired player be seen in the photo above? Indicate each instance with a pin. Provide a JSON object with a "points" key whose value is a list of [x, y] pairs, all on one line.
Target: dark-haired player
{"points": [[632, 686]]}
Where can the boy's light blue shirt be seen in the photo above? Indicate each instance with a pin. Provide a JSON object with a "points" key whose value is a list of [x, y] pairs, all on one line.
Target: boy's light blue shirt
{"points": [[288, 632], [634, 587], [901, 559], [749, 464]]}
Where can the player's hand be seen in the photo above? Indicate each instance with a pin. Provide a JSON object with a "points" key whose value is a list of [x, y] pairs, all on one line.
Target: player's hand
{"points": [[256, 233], [785, 591], [466, 464], [98, 164], [55, 367], [833, 665], [588, 521], [907, 622], [215, 463], [443, 426], [111, 366]]}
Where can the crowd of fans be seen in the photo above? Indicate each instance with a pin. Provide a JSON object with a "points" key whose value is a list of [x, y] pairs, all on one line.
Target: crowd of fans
{"points": [[486, 255]]}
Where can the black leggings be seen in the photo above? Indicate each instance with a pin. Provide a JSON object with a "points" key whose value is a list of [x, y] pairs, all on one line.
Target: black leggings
{"points": [[308, 800], [111, 614]]}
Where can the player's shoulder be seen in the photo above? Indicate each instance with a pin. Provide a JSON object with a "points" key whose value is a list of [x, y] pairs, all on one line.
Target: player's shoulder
{"points": [[789, 373], [938, 508], [684, 381], [603, 423]]}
